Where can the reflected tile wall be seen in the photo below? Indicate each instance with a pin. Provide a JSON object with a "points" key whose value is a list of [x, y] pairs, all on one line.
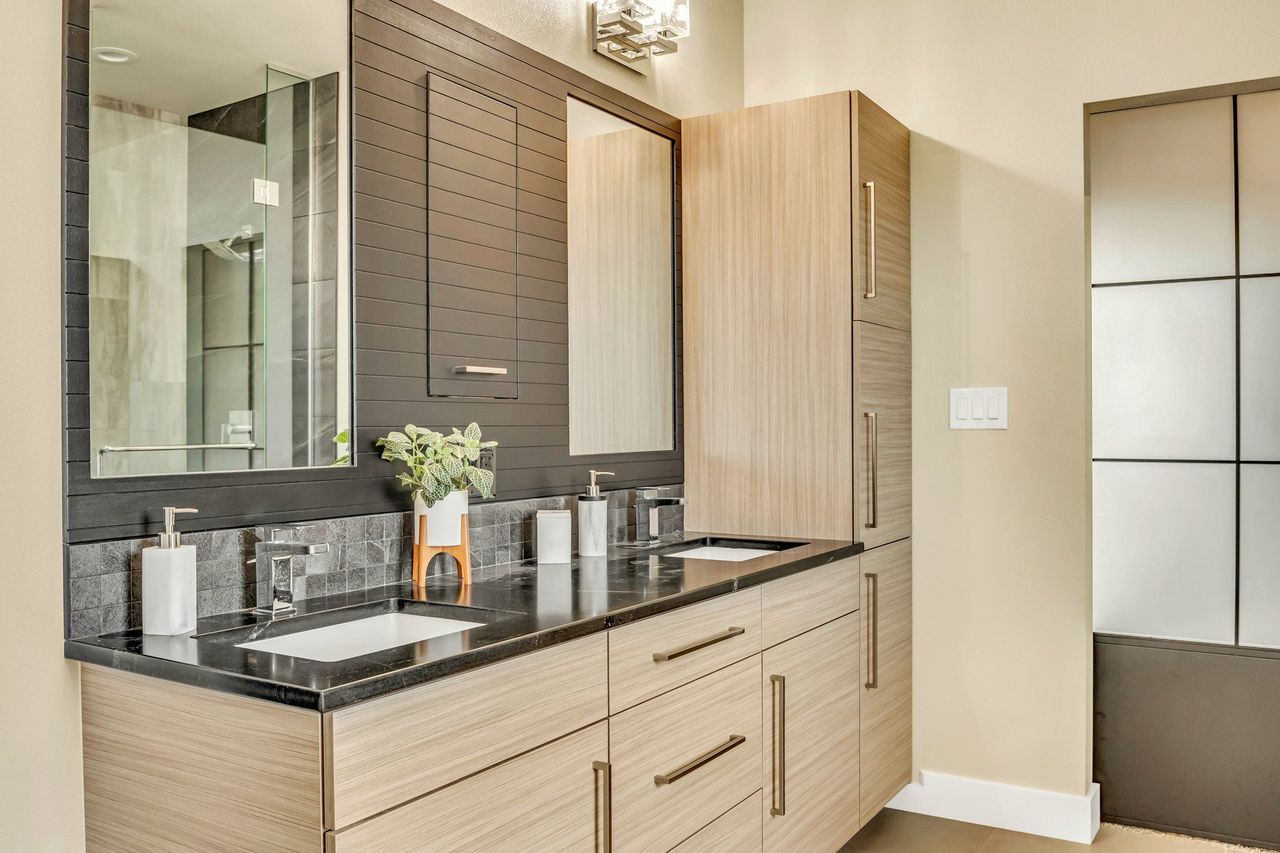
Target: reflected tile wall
{"points": [[104, 579]]}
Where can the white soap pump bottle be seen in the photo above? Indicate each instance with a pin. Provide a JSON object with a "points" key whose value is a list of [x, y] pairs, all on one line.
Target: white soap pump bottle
{"points": [[169, 581], [593, 520]]}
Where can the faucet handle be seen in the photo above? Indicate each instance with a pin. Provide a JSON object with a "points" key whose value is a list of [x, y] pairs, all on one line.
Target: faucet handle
{"points": [[274, 531]]}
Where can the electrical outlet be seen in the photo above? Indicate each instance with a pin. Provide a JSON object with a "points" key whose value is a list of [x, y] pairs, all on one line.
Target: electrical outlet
{"points": [[979, 408]]}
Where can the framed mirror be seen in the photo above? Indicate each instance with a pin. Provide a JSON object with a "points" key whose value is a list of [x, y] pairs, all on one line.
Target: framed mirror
{"points": [[219, 281], [621, 294]]}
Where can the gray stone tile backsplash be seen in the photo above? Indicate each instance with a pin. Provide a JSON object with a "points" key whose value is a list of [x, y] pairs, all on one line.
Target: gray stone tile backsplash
{"points": [[104, 591]]}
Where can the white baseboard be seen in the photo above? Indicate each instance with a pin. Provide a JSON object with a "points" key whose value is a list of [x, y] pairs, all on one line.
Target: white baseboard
{"points": [[1030, 810]]}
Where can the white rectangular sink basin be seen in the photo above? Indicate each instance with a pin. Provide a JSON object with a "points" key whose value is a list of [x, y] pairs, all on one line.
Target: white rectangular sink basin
{"points": [[732, 555], [360, 637]]}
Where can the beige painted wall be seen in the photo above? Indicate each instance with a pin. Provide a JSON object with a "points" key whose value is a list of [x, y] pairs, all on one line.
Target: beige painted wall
{"points": [[993, 91], [704, 76], [40, 800]]}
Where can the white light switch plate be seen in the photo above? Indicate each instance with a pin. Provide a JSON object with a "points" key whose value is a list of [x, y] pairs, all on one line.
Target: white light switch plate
{"points": [[979, 408]]}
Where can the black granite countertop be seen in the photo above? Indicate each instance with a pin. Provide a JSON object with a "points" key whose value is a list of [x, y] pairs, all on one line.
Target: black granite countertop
{"points": [[523, 607]]}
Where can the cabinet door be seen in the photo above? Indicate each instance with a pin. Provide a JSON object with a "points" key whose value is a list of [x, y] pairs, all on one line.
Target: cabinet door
{"points": [[882, 434], [810, 697], [885, 714], [883, 190], [549, 799]]}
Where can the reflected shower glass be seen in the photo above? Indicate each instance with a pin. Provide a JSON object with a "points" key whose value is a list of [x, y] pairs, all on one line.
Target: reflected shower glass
{"points": [[219, 296]]}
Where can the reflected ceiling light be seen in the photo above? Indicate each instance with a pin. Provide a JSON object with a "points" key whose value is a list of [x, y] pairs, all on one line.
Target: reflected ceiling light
{"points": [[632, 31], [114, 55]]}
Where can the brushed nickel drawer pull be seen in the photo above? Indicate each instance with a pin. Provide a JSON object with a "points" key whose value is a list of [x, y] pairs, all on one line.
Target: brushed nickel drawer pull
{"points": [[870, 292], [873, 469], [728, 634], [480, 369], [603, 771], [873, 631], [709, 755], [778, 802]]}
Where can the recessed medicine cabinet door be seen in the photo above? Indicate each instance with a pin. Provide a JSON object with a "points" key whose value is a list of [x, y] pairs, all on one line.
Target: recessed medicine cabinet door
{"points": [[219, 293]]}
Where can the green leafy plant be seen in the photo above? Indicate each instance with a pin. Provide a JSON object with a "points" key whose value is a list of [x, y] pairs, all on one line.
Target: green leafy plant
{"points": [[439, 463], [343, 449]]}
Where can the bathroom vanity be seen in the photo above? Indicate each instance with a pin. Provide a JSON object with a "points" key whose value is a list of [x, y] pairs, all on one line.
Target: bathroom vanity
{"points": [[634, 702]]}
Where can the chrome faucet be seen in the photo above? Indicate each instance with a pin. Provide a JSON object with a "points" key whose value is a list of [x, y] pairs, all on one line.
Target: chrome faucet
{"points": [[654, 499], [278, 552]]}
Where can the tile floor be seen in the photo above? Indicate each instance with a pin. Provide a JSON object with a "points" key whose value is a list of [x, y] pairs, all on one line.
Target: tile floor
{"points": [[902, 832]]}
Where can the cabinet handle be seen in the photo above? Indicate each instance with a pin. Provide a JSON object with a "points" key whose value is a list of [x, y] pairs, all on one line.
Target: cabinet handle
{"points": [[480, 369], [873, 631], [870, 292], [778, 803], [603, 771], [710, 755], [727, 634], [873, 470]]}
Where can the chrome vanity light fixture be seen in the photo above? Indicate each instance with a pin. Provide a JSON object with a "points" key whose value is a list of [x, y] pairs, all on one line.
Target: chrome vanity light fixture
{"points": [[634, 31]]}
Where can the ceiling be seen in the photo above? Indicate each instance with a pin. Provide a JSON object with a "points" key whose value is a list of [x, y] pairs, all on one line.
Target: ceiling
{"points": [[194, 55]]}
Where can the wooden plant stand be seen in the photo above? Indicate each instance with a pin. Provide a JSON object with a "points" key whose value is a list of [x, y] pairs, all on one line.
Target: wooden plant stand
{"points": [[423, 553]]}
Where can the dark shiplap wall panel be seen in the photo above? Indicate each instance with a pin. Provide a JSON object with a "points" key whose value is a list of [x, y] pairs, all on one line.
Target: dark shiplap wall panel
{"points": [[459, 212]]}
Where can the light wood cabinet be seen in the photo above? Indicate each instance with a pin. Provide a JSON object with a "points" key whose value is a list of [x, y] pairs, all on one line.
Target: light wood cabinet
{"points": [[797, 220], [735, 831], [810, 700], [685, 758], [379, 754], [885, 714], [882, 430], [547, 799], [883, 153], [795, 604], [660, 653]]}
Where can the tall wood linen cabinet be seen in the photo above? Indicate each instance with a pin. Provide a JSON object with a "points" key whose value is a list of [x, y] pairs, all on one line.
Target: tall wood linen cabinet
{"points": [[797, 317]]}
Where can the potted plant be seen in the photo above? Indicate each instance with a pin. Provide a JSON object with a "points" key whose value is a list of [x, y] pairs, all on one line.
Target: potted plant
{"points": [[441, 474]]}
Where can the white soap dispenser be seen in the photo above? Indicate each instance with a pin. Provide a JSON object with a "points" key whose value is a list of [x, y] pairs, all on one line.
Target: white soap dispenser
{"points": [[593, 520], [169, 581]]}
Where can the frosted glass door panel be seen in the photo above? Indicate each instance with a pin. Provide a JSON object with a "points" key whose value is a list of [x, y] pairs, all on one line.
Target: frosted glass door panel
{"points": [[1260, 370], [1162, 183], [1164, 550], [1164, 367], [1260, 555], [1258, 122]]}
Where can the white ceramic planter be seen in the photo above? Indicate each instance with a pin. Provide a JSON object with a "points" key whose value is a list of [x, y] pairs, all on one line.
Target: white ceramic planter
{"points": [[444, 519]]}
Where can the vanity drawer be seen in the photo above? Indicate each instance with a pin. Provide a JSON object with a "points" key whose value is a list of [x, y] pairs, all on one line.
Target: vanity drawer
{"points": [[803, 601], [737, 830], [658, 654], [380, 753], [547, 799], [685, 758]]}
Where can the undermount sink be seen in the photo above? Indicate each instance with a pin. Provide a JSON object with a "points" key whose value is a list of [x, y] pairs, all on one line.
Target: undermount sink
{"points": [[360, 637], [726, 549]]}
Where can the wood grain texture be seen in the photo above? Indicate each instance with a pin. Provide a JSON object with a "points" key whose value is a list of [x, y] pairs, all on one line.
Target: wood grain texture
{"points": [[665, 733], [883, 385], [803, 601], [635, 676], [735, 831], [767, 305], [819, 730], [380, 753], [169, 767], [621, 345], [884, 156], [886, 710], [546, 799]]}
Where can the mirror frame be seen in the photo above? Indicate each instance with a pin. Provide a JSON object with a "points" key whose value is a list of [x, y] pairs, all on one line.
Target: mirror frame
{"points": [[96, 510]]}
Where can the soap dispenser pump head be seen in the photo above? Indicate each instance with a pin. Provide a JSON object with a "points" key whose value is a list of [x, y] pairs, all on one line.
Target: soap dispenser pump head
{"points": [[593, 491], [171, 538]]}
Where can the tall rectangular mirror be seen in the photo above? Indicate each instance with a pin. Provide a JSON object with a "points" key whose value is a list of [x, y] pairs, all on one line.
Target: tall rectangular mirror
{"points": [[219, 283], [621, 285]]}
